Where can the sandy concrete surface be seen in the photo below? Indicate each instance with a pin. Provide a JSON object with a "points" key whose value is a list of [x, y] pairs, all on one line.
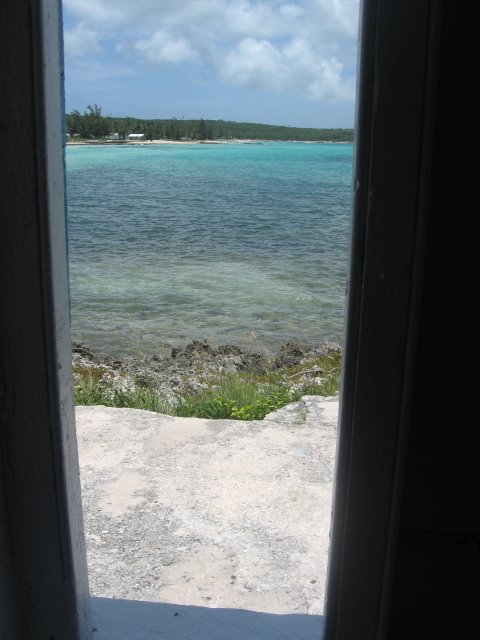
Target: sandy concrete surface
{"points": [[209, 513]]}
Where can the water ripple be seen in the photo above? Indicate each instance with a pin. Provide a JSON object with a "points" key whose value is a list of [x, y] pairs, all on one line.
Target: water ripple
{"points": [[169, 243]]}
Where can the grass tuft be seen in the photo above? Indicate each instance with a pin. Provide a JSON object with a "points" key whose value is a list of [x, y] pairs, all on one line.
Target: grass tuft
{"points": [[93, 388]]}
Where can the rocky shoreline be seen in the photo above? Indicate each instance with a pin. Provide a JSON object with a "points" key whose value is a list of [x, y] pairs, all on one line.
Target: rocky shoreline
{"points": [[189, 370]]}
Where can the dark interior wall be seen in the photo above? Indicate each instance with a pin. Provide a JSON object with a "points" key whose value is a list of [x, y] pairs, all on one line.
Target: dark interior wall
{"points": [[404, 560], [437, 575], [18, 208]]}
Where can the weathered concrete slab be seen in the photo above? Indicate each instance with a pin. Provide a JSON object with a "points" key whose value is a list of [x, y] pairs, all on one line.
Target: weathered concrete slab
{"points": [[209, 513]]}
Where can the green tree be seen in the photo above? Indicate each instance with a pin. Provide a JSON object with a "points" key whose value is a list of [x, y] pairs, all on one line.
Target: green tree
{"points": [[204, 131], [73, 123], [96, 125], [171, 131]]}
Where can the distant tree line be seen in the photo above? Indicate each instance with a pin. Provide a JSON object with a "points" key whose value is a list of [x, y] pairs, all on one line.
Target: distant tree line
{"points": [[93, 125]]}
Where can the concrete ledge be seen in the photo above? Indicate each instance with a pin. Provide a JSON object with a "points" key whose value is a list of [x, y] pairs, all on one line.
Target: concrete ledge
{"points": [[206, 515]]}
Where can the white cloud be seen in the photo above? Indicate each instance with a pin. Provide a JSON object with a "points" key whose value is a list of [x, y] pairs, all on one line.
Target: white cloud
{"points": [[338, 18], [254, 63], [258, 20], [291, 68], [329, 85], [81, 40], [303, 46], [163, 48]]}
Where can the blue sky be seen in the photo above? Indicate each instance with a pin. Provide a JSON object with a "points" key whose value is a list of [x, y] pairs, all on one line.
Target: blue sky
{"points": [[290, 62]]}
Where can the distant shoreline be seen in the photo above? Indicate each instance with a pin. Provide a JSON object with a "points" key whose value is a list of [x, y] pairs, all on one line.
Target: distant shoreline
{"points": [[112, 143]]}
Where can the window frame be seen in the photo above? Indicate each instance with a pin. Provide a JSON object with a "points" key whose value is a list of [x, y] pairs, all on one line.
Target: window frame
{"points": [[46, 574]]}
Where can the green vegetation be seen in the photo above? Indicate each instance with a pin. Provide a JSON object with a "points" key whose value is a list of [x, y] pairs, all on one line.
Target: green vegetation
{"points": [[239, 396], [93, 125], [95, 386]]}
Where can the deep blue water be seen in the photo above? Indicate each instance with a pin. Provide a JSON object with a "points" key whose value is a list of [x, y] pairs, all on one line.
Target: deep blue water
{"points": [[234, 243]]}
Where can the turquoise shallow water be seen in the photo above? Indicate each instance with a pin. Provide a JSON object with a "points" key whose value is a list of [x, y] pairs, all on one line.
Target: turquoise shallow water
{"points": [[233, 243]]}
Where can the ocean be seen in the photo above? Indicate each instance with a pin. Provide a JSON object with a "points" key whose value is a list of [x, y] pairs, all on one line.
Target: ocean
{"points": [[233, 243]]}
